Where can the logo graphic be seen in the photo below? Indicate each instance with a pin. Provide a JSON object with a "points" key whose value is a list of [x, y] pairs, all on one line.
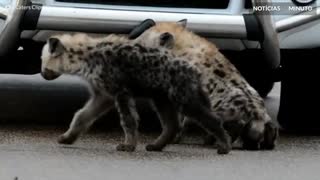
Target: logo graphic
{"points": [[303, 2]]}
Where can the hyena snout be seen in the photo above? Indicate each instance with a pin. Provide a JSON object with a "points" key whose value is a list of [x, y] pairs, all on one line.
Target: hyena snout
{"points": [[252, 135], [271, 134], [254, 138], [49, 74]]}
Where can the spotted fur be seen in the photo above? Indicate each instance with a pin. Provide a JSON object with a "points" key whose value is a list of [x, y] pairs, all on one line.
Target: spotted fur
{"points": [[232, 98], [119, 70]]}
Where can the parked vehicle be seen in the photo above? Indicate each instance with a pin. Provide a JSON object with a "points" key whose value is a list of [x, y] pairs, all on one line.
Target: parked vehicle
{"points": [[252, 38]]}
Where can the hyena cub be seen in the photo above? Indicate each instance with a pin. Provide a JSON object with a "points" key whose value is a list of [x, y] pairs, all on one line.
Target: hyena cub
{"points": [[118, 71], [232, 99]]}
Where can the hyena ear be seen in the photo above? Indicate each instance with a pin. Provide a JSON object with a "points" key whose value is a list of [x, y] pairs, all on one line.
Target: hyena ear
{"points": [[183, 23], [141, 28], [55, 46], [167, 40]]}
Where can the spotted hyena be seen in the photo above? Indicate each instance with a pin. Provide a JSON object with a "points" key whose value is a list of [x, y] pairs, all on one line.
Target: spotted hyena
{"points": [[119, 70], [232, 99]]}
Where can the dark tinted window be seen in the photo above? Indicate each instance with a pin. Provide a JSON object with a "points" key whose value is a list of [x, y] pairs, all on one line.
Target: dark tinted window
{"points": [[209, 4]]}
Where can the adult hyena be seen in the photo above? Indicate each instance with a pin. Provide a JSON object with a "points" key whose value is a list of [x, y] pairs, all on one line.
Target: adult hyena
{"points": [[232, 98]]}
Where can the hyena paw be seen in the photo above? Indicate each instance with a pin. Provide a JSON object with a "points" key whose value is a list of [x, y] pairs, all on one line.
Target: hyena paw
{"points": [[153, 147], [64, 139], [126, 147], [224, 148]]}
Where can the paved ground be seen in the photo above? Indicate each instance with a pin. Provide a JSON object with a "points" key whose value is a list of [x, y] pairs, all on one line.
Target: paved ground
{"points": [[31, 153]]}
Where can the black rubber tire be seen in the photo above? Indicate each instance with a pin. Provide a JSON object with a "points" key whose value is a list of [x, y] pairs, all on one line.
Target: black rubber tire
{"points": [[264, 88], [256, 72], [298, 111]]}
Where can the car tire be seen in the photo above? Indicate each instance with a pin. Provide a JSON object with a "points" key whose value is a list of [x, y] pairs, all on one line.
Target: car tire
{"points": [[256, 72], [264, 88]]}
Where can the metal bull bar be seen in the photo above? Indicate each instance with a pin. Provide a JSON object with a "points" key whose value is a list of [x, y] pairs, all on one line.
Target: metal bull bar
{"points": [[258, 26]]}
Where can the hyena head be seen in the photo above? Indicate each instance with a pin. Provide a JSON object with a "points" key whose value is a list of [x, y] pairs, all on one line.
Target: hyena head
{"points": [[162, 34], [57, 58]]}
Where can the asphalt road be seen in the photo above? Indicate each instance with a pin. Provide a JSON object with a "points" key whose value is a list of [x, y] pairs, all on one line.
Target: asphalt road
{"points": [[32, 153]]}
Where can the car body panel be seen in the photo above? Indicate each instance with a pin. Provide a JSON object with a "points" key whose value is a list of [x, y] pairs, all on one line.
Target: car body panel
{"points": [[306, 36]]}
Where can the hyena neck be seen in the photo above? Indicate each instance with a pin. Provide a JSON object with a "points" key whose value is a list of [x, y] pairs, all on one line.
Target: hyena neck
{"points": [[108, 56], [84, 68]]}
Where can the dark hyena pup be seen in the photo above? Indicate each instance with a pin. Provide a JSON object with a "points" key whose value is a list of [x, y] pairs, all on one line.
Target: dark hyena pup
{"points": [[120, 71]]}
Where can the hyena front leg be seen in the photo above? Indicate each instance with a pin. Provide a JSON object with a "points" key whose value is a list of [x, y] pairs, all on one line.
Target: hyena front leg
{"points": [[211, 123], [129, 119], [169, 122], [85, 117], [234, 129]]}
